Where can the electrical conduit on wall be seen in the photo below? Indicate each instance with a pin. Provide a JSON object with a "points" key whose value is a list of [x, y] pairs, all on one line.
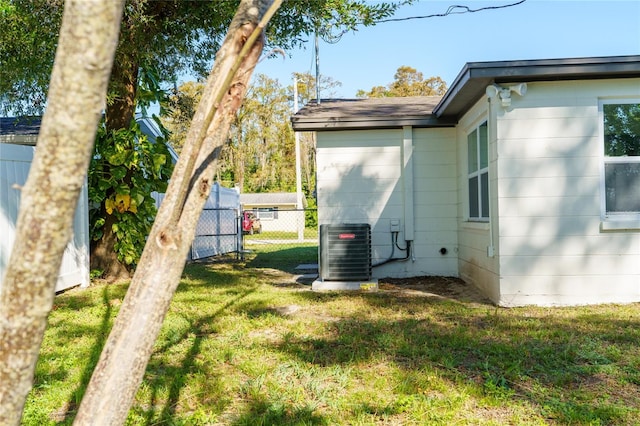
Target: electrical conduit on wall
{"points": [[407, 184]]}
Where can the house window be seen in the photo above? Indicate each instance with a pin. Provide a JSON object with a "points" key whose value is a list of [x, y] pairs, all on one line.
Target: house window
{"points": [[621, 180], [268, 214], [478, 177]]}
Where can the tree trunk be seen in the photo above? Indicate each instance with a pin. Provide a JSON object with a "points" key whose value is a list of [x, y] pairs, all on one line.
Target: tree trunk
{"points": [[119, 114], [124, 79], [124, 358], [104, 257], [77, 93]]}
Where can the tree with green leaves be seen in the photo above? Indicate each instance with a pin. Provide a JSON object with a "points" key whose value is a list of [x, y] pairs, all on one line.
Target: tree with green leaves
{"points": [[179, 109], [163, 38], [260, 155], [407, 82]]}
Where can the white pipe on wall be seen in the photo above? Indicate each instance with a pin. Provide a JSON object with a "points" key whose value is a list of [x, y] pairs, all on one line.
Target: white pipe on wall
{"points": [[407, 174]]}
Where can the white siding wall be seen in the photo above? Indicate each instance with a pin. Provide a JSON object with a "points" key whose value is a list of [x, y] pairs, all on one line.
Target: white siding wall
{"points": [[15, 162], [436, 215], [360, 180], [552, 249], [476, 264]]}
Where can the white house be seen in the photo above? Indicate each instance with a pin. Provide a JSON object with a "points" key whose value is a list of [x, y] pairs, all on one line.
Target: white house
{"points": [[278, 211], [523, 180]]}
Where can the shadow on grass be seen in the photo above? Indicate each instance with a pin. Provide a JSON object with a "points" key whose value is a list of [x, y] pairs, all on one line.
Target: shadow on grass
{"points": [[562, 367], [262, 412], [163, 377], [73, 304], [573, 366], [282, 258]]}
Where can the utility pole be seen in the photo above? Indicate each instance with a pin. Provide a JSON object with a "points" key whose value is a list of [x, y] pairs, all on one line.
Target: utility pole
{"points": [[299, 206], [317, 68]]}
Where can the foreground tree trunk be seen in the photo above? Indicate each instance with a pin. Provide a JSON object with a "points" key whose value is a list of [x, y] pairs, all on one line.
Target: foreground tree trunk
{"points": [[124, 358], [77, 93]]}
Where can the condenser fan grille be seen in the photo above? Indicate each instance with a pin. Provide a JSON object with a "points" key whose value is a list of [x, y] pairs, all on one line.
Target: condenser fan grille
{"points": [[345, 252]]}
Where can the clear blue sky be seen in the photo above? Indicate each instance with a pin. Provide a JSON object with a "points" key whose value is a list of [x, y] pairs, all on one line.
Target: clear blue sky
{"points": [[441, 46]]}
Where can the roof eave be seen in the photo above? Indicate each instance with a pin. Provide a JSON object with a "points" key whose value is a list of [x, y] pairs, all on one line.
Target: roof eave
{"points": [[19, 139], [310, 125], [470, 84]]}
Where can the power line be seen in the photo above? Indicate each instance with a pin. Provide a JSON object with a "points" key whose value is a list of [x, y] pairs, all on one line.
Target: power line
{"points": [[452, 10]]}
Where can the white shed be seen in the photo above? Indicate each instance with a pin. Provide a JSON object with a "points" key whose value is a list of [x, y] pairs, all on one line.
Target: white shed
{"points": [[523, 180], [17, 147]]}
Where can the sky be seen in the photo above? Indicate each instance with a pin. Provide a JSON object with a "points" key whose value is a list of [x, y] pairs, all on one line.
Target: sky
{"points": [[441, 46]]}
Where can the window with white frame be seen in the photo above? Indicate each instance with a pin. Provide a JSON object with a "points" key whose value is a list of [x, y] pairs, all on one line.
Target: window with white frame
{"points": [[478, 173], [268, 213], [621, 138]]}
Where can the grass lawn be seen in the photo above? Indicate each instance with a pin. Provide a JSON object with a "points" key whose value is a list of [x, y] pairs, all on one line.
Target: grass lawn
{"points": [[250, 346], [308, 234]]}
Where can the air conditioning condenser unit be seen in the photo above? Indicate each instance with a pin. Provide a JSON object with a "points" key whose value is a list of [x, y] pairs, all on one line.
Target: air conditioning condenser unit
{"points": [[345, 252]]}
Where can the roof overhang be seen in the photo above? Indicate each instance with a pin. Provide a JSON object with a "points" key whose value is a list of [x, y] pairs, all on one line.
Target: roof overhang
{"points": [[353, 123], [471, 83], [375, 113], [467, 89]]}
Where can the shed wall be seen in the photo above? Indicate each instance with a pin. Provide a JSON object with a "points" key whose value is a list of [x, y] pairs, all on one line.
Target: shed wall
{"points": [[15, 162]]}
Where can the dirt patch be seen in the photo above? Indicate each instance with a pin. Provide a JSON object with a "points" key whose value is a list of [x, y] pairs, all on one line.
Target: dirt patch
{"points": [[450, 288], [447, 288]]}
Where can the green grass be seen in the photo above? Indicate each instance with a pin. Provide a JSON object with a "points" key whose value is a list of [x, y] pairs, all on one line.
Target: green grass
{"points": [[248, 346], [308, 234], [282, 257]]}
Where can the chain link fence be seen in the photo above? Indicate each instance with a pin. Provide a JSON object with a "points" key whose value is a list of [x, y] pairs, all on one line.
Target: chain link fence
{"points": [[283, 239]]}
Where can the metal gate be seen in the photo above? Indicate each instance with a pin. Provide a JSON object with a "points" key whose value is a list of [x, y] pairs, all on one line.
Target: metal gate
{"points": [[217, 232], [218, 229]]}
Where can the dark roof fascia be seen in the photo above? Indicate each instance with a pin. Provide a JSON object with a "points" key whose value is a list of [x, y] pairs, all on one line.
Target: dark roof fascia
{"points": [[19, 130], [470, 84], [303, 124], [19, 140]]}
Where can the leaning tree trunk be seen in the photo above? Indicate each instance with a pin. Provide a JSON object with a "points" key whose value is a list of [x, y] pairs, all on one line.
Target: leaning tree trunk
{"points": [[124, 358], [77, 93]]}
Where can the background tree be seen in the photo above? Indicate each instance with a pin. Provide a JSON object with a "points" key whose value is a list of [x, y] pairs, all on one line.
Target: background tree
{"points": [[88, 36], [307, 87], [181, 105], [260, 155], [407, 82], [169, 36], [263, 130]]}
